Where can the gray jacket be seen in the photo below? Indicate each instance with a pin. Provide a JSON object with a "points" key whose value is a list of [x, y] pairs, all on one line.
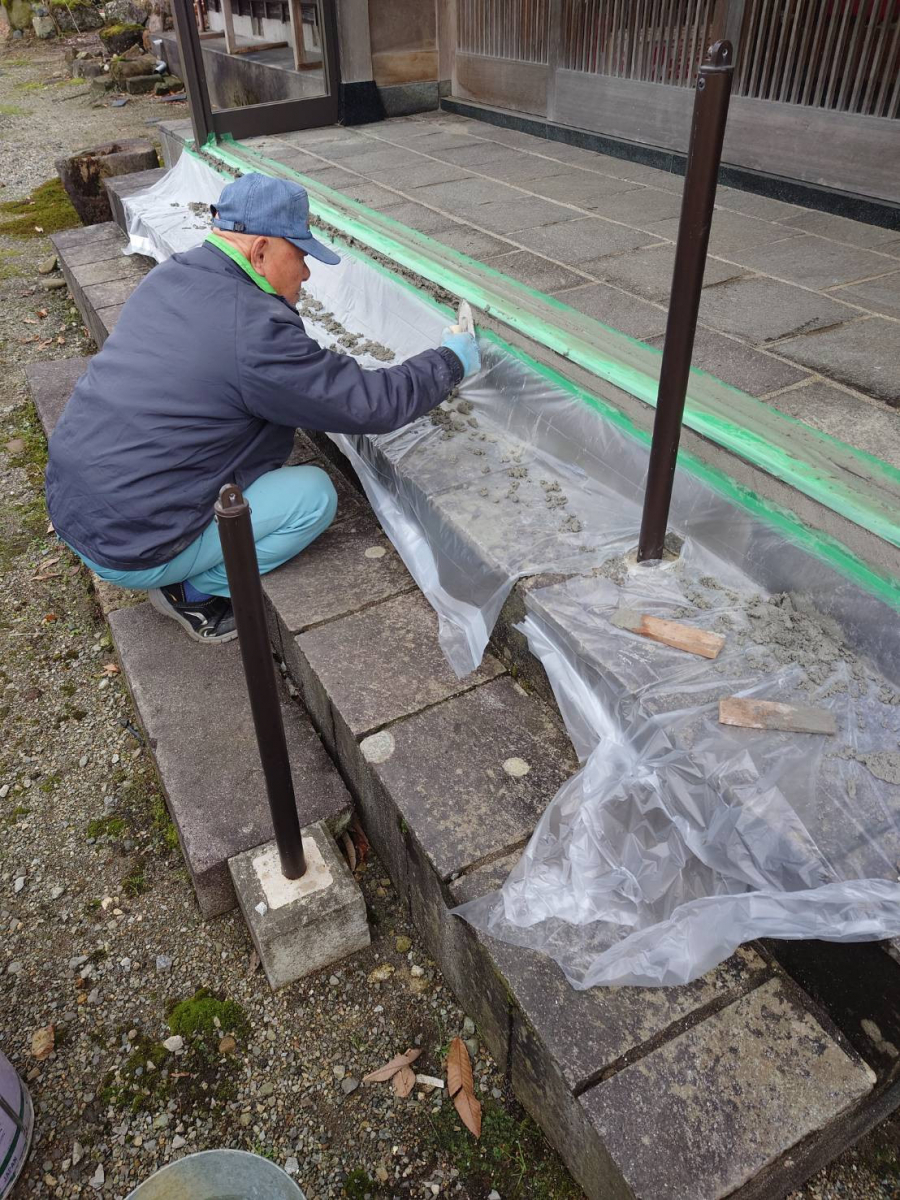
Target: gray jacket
{"points": [[202, 382]]}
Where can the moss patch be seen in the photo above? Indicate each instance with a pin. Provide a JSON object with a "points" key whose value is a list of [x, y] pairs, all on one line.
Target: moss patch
{"points": [[115, 30], [109, 826], [510, 1156], [10, 110], [48, 208], [205, 1019]]}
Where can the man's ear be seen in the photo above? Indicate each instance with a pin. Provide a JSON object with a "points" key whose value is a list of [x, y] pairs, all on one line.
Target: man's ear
{"points": [[258, 254]]}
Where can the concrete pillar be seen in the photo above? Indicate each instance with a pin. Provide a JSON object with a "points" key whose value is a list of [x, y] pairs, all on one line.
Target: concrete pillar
{"points": [[355, 40], [445, 13]]}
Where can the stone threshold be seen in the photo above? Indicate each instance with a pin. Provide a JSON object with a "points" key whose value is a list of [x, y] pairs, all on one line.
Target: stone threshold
{"points": [[741, 1080]]}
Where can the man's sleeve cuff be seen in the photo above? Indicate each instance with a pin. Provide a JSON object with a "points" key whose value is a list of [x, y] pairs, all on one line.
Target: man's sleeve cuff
{"points": [[454, 365]]}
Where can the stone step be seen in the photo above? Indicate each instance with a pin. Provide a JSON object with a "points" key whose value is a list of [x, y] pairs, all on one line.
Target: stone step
{"points": [[450, 777], [118, 187], [99, 275]]}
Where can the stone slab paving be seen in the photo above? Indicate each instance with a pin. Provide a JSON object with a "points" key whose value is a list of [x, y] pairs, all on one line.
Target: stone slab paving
{"points": [[786, 270], [51, 384]]}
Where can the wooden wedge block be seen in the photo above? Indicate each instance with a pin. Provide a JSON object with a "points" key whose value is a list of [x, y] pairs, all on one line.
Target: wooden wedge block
{"points": [[672, 633], [770, 714]]}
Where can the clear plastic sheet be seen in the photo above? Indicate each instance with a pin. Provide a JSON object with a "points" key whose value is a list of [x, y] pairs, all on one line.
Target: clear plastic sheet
{"points": [[679, 838]]}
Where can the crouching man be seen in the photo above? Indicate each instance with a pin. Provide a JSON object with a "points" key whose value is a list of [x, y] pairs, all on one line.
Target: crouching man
{"points": [[202, 382]]}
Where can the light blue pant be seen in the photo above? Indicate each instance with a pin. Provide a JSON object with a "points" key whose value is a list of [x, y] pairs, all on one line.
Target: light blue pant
{"points": [[289, 508]]}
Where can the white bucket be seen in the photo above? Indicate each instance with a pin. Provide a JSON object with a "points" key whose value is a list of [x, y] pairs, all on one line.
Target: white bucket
{"points": [[219, 1175], [16, 1125]]}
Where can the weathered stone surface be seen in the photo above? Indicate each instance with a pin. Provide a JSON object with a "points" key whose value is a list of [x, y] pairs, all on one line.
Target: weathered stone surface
{"points": [[865, 424], [304, 451], [648, 272], [775, 1074], [51, 384], [323, 921], [385, 662], [117, 39], [732, 232], [582, 241], [141, 85], [737, 364], [641, 207], [862, 355], [332, 577], [75, 16], [878, 295], [583, 189], [123, 68], [619, 309], [754, 205], [815, 262], [44, 26], [763, 310], [127, 268], [417, 216], [211, 771], [444, 772], [473, 242], [536, 272], [857, 233]]}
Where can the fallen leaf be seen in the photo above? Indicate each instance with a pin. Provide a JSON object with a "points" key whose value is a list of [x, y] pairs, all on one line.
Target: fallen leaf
{"points": [[389, 1070], [29, 321], [44, 345], [43, 1041], [60, 341], [461, 1086], [403, 1082], [110, 668], [41, 312], [349, 849], [253, 963], [48, 575], [360, 841], [38, 229], [50, 528], [49, 617], [49, 562]]}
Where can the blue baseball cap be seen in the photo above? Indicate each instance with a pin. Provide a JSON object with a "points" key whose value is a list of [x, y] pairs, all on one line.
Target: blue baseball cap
{"points": [[267, 207]]}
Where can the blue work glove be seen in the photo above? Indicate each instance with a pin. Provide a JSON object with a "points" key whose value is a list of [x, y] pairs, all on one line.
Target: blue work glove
{"points": [[465, 348]]}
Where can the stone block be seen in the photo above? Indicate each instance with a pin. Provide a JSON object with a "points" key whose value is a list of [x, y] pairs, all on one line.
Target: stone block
{"points": [[648, 272], [814, 262], [862, 355], [51, 384], [622, 311], [385, 662], [82, 174], [707, 1111], [878, 295], [841, 229], [350, 566], [471, 776], [640, 207], [417, 216], [473, 242], [207, 755], [764, 310], [732, 233], [754, 205], [141, 85], [300, 926], [583, 189], [466, 194], [124, 68], [521, 168], [516, 215], [120, 186], [128, 267], [750, 370], [867, 425], [581, 242], [536, 272], [419, 172]]}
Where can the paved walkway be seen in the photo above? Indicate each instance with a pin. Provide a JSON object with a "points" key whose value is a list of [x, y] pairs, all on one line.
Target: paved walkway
{"points": [[800, 308]]}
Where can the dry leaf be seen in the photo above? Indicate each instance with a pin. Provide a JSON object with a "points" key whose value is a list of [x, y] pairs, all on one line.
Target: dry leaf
{"points": [[49, 617], [110, 668], [49, 562], [360, 841], [349, 850], [43, 1041], [461, 1086], [48, 575], [60, 341], [38, 229], [389, 1070], [29, 321], [41, 312], [403, 1082], [50, 528]]}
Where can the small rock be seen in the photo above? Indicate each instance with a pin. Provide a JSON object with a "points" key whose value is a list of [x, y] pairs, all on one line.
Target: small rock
{"points": [[178, 1141], [48, 265], [14, 968], [381, 1174], [163, 962], [468, 1027], [227, 1045], [56, 892], [161, 1121], [77, 1154], [403, 944], [493, 1195], [262, 908], [83, 761], [339, 1072], [349, 1085], [416, 972], [19, 884], [267, 1089], [291, 1166], [4, 791], [245, 1119], [98, 1178], [381, 974], [174, 1043], [53, 285], [472, 1046]]}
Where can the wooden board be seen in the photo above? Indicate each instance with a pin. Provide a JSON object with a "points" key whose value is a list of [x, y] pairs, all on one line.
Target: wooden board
{"points": [[770, 714], [255, 49], [671, 633]]}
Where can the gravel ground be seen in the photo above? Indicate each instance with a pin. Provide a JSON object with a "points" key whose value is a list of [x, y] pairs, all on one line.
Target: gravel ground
{"points": [[102, 937]]}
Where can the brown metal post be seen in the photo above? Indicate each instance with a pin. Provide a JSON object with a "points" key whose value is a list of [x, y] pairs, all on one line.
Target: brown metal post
{"points": [[242, 568], [704, 154]]}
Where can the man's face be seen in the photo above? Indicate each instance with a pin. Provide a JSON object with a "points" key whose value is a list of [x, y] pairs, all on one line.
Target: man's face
{"points": [[282, 264]]}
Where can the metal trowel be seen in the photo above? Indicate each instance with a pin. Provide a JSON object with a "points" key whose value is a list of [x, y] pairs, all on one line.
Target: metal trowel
{"points": [[465, 322]]}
